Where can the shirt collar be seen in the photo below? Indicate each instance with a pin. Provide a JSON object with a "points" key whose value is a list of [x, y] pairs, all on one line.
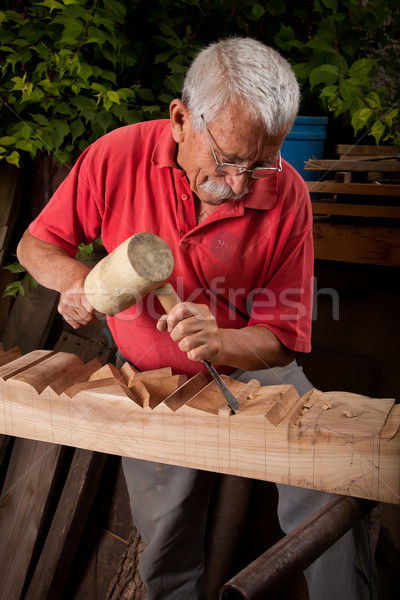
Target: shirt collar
{"points": [[263, 195], [164, 154]]}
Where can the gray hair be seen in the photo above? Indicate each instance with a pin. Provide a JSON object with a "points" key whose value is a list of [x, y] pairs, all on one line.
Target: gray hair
{"points": [[246, 71]]}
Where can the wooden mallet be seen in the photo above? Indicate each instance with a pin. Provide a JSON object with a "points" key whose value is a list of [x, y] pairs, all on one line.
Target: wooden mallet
{"points": [[135, 268]]}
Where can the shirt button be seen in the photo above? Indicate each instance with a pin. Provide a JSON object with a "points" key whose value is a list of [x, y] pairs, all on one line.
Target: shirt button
{"points": [[184, 196]]}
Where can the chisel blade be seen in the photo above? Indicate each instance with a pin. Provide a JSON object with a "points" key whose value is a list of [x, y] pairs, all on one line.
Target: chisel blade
{"points": [[229, 397]]}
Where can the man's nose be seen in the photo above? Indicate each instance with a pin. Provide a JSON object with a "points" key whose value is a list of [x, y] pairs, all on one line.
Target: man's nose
{"points": [[238, 183]]}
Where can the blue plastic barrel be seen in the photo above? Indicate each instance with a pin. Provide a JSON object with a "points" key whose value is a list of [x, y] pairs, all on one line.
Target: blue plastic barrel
{"points": [[305, 140]]}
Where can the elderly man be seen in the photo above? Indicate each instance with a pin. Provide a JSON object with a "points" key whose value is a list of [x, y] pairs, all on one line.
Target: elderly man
{"points": [[211, 183]]}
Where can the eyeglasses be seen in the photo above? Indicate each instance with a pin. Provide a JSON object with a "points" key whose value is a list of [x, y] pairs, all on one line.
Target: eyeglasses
{"points": [[232, 169]]}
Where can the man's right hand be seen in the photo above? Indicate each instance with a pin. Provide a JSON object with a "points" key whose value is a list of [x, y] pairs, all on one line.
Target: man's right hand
{"points": [[52, 267]]}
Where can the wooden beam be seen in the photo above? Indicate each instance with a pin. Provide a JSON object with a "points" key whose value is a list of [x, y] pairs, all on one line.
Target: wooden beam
{"points": [[365, 150], [385, 166], [67, 526], [372, 245], [359, 189], [355, 210], [25, 504], [333, 441]]}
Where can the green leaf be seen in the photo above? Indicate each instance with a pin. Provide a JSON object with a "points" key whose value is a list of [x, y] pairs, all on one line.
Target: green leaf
{"points": [[15, 267], [83, 102], [77, 129], [377, 131], [8, 140], [321, 44], [84, 250], [13, 289], [59, 134], [361, 70], [41, 119], [284, 38], [258, 11], [13, 158], [373, 100], [50, 4], [361, 118], [325, 74], [104, 119], [113, 96], [144, 93], [332, 4]]}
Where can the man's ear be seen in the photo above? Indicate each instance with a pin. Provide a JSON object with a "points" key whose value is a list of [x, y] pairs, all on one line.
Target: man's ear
{"points": [[180, 120]]}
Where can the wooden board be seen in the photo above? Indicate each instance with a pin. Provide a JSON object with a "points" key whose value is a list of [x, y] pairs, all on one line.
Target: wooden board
{"points": [[67, 526], [327, 441], [357, 150], [372, 245], [358, 189], [386, 166], [31, 319], [24, 507], [355, 210]]}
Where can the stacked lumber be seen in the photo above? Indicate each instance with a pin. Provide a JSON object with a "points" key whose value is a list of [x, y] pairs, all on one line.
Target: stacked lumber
{"points": [[333, 441], [356, 203]]}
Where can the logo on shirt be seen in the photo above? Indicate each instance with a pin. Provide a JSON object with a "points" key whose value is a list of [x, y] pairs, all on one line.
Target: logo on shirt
{"points": [[223, 246]]}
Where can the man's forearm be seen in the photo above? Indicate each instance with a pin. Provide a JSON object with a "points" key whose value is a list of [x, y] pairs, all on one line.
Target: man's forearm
{"points": [[253, 348], [50, 265]]}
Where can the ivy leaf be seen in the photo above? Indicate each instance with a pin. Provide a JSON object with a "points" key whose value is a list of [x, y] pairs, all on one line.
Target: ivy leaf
{"points": [[84, 250], [15, 267], [41, 119], [284, 37], [77, 129], [377, 131], [361, 118], [113, 96], [258, 11], [13, 158], [325, 74], [104, 119], [361, 69]]}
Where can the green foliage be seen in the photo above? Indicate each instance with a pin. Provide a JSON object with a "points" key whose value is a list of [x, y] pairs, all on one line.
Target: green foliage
{"points": [[72, 70], [17, 287], [336, 49], [66, 73]]}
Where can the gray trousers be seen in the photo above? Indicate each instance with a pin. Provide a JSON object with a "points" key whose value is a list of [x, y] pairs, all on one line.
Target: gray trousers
{"points": [[170, 504]]}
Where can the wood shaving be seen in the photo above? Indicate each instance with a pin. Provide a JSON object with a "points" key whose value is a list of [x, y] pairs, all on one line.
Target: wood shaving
{"points": [[350, 414]]}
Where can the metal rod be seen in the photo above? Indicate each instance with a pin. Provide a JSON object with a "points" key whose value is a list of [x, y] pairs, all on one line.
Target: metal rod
{"points": [[271, 572]]}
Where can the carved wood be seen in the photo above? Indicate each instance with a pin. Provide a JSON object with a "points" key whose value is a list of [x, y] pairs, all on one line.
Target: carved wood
{"points": [[333, 441]]}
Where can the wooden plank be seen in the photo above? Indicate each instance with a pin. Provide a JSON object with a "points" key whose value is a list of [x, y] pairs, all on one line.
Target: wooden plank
{"points": [[85, 348], [373, 245], [355, 210], [31, 319], [11, 188], [67, 526], [186, 391], [364, 150], [9, 356], [385, 166], [47, 371], [358, 189], [24, 508], [338, 442]]}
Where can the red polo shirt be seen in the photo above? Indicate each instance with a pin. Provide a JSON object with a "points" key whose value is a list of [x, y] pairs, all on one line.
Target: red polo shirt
{"points": [[251, 260]]}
